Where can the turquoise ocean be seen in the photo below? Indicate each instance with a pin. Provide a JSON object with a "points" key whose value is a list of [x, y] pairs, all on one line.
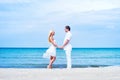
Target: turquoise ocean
{"points": [[81, 58]]}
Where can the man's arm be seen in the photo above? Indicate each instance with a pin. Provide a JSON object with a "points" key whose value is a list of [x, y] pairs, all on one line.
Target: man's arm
{"points": [[66, 42]]}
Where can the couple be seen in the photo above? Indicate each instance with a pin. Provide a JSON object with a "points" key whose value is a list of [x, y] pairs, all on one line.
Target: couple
{"points": [[51, 52]]}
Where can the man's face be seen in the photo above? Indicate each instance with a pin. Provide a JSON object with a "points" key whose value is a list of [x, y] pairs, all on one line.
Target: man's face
{"points": [[66, 30]]}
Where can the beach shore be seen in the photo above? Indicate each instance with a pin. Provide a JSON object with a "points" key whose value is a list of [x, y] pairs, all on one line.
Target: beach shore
{"points": [[103, 73]]}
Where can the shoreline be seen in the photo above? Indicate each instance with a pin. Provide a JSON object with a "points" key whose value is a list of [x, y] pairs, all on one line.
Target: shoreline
{"points": [[59, 66], [102, 73]]}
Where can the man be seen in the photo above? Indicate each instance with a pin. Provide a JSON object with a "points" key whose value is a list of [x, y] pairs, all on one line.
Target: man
{"points": [[67, 46]]}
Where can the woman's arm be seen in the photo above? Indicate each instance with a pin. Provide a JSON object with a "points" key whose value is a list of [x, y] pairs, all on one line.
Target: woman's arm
{"points": [[53, 42]]}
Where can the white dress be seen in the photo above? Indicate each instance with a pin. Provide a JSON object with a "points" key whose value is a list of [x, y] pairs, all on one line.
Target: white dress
{"points": [[51, 51]]}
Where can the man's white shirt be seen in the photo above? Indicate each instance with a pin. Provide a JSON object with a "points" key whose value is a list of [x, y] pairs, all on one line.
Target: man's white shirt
{"points": [[68, 36]]}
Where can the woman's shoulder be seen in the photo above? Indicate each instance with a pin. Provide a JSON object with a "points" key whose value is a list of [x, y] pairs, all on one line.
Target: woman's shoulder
{"points": [[51, 38]]}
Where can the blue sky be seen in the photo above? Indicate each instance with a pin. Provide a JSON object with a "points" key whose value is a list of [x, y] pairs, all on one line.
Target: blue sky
{"points": [[26, 23]]}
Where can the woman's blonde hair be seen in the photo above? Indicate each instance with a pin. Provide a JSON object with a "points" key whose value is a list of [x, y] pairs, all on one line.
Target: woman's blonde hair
{"points": [[49, 36]]}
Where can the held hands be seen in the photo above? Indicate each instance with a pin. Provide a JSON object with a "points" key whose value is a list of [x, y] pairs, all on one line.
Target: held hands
{"points": [[60, 47]]}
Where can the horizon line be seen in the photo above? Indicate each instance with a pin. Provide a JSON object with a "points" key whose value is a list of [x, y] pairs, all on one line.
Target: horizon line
{"points": [[48, 47]]}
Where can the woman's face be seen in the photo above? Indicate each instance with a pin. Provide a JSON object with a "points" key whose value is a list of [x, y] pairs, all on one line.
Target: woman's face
{"points": [[53, 33]]}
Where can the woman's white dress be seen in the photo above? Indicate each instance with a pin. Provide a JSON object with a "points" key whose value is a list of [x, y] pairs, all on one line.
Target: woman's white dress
{"points": [[51, 51]]}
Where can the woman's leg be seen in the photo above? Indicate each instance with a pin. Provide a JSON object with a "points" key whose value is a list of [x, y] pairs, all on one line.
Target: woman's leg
{"points": [[49, 66], [52, 59]]}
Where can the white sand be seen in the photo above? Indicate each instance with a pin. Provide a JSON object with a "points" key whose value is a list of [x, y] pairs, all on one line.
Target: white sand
{"points": [[107, 73]]}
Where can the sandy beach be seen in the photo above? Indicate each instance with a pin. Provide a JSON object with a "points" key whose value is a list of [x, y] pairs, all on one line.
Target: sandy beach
{"points": [[106, 73]]}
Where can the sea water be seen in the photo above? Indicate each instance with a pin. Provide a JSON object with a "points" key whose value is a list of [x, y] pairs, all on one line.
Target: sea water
{"points": [[81, 57]]}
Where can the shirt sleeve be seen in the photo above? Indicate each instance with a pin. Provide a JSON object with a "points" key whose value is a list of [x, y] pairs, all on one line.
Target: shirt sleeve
{"points": [[69, 36]]}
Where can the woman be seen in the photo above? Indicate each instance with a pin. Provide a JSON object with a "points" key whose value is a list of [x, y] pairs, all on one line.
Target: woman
{"points": [[51, 52]]}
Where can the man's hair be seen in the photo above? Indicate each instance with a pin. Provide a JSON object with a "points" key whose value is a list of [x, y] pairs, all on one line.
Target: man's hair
{"points": [[67, 27]]}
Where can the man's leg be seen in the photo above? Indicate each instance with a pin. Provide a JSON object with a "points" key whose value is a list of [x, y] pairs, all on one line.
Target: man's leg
{"points": [[68, 57]]}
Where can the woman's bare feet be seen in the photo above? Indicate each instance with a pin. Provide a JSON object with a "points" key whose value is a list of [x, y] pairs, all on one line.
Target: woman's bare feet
{"points": [[49, 67]]}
